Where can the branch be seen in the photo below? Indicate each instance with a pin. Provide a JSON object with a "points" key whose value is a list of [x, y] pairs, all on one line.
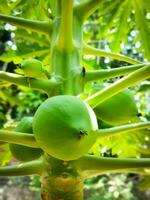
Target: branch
{"points": [[18, 138], [65, 37], [98, 52], [93, 165], [33, 25], [126, 82], [107, 132], [85, 9], [23, 169], [93, 75], [38, 84]]}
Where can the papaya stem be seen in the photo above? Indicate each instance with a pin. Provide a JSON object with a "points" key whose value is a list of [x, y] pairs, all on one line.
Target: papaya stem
{"points": [[60, 180], [33, 25], [107, 132], [18, 138], [65, 36], [85, 9], [93, 75], [29, 168], [38, 84], [93, 165], [120, 85], [88, 50]]}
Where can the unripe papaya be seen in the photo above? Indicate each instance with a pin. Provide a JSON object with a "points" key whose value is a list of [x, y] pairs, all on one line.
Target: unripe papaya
{"points": [[33, 68], [64, 127], [21, 152], [117, 110]]}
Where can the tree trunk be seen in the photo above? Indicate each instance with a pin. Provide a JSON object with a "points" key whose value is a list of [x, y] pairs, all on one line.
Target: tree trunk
{"points": [[61, 181]]}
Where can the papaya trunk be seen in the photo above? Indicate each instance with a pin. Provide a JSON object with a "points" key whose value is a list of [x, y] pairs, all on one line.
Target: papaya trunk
{"points": [[62, 188], [66, 47], [61, 181]]}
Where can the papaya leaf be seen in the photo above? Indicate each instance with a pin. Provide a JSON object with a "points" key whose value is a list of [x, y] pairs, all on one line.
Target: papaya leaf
{"points": [[52, 4], [122, 27], [143, 27], [146, 5], [112, 15], [4, 7], [7, 96], [17, 57], [128, 145], [27, 36], [117, 20]]}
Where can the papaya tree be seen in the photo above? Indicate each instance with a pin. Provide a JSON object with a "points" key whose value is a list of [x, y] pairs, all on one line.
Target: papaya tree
{"points": [[58, 142]]}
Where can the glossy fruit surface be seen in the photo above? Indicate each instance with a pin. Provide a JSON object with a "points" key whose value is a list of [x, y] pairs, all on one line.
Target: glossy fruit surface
{"points": [[63, 127], [119, 109], [21, 152], [33, 68]]}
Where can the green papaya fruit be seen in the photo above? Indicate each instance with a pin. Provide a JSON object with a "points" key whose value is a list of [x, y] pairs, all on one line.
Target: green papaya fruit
{"points": [[23, 153], [119, 109], [33, 68], [64, 127]]}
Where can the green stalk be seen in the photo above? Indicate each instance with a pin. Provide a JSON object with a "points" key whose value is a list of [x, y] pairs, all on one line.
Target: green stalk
{"points": [[18, 138], [38, 84], [86, 8], [93, 75], [128, 81], [107, 132], [65, 55], [23, 169], [98, 52], [139, 171], [65, 36], [33, 25], [90, 165]]}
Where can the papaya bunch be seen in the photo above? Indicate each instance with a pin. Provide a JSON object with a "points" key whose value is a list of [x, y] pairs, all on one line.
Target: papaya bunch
{"points": [[64, 126]]}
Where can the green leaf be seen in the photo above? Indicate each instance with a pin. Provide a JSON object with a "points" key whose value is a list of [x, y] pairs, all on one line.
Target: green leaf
{"points": [[121, 26], [7, 95], [17, 58], [112, 12], [4, 8], [31, 37], [143, 27], [52, 4], [116, 23], [146, 5], [123, 145]]}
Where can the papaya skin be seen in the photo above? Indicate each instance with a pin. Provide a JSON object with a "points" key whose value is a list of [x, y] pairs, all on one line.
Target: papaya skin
{"points": [[33, 68], [119, 109], [23, 153], [63, 127]]}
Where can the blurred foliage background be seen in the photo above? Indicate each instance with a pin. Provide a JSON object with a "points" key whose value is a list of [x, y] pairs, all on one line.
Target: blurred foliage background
{"points": [[117, 26]]}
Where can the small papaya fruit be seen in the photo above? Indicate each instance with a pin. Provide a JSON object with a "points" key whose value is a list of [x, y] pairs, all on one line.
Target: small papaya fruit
{"points": [[33, 68], [23, 153], [64, 127], [119, 109]]}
